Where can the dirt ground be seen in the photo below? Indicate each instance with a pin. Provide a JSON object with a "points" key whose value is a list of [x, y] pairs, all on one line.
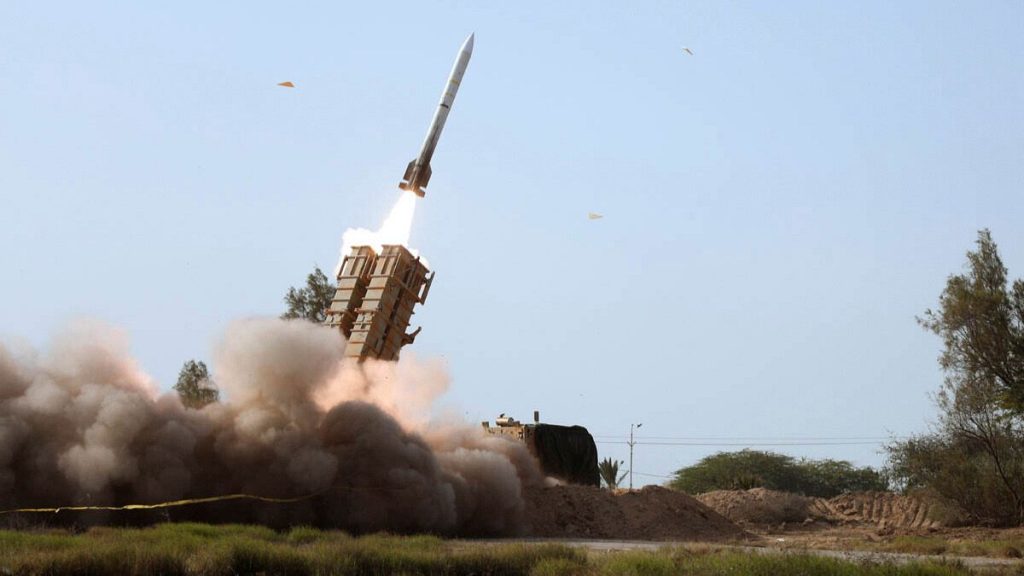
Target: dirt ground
{"points": [[653, 513], [656, 513], [961, 542], [864, 522], [762, 507]]}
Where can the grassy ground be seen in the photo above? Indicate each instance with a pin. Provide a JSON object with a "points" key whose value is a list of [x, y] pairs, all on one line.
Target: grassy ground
{"points": [[998, 548], [980, 542], [203, 549]]}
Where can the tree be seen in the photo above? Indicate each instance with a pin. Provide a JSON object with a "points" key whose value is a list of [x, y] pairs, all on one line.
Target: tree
{"points": [[753, 468], [839, 476], [974, 454], [981, 322], [312, 301], [609, 470], [194, 385]]}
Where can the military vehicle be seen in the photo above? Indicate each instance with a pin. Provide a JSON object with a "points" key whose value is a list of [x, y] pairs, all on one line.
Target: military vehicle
{"points": [[567, 453]]}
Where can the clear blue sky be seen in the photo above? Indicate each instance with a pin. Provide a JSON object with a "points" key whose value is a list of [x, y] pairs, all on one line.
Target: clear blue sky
{"points": [[778, 206]]}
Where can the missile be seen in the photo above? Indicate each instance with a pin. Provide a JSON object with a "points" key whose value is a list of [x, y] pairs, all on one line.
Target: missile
{"points": [[417, 174]]}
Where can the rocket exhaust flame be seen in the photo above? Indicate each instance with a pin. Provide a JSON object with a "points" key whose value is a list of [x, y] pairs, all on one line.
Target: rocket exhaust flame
{"points": [[396, 229], [398, 225]]}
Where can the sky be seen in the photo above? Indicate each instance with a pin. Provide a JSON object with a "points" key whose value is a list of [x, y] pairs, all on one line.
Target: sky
{"points": [[778, 207]]}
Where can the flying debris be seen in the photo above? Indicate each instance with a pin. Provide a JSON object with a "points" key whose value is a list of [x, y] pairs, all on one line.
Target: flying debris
{"points": [[417, 174], [286, 84], [688, 51], [594, 216]]}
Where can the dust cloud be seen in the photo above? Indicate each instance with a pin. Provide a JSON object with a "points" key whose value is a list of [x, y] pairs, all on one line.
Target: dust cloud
{"points": [[82, 424]]}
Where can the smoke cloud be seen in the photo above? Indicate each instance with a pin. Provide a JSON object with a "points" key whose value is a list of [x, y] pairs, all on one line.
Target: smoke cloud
{"points": [[81, 424]]}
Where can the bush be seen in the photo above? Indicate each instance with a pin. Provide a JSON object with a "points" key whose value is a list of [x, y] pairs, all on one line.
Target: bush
{"points": [[756, 469], [954, 466]]}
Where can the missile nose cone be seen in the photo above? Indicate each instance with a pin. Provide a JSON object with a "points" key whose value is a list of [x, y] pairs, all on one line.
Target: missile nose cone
{"points": [[467, 46]]}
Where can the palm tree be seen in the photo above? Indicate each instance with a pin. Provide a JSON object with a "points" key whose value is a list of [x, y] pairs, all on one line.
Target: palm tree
{"points": [[609, 470]]}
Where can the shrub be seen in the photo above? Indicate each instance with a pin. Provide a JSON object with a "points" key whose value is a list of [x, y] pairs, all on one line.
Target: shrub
{"points": [[753, 469]]}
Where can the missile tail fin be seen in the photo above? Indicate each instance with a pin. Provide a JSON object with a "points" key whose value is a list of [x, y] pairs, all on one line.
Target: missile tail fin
{"points": [[425, 176]]}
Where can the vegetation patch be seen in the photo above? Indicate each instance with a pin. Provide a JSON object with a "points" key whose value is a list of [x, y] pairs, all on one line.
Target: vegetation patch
{"points": [[934, 545], [747, 469], [974, 453], [184, 549]]}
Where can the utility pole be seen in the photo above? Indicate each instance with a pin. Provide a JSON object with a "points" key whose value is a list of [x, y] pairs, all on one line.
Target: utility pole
{"points": [[631, 443]]}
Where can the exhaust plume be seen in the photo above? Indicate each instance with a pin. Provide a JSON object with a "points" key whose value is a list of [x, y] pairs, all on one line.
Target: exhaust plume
{"points": [[396, 229], [82, 424]]}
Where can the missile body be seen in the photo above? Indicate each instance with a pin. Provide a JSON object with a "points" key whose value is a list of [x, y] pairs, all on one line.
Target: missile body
{"points": [[417, 174]]}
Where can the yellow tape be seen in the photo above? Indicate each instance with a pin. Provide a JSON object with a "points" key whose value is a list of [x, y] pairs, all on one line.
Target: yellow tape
{"points": [[164, 504]]}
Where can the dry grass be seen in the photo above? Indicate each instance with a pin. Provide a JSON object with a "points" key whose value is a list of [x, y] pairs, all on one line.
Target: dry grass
{"points": [[999, 548], [173, 549]]}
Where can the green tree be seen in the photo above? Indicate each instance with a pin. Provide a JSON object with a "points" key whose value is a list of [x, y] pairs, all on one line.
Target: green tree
{"points": [[312, 301], [829, 476], [194, 385], [981, 322], [753, 468], [974, 454], [609, 470]]}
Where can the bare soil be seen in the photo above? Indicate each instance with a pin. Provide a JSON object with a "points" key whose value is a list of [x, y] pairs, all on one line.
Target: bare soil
{"points": [[653, 513], [872, 522], [762, 507]]}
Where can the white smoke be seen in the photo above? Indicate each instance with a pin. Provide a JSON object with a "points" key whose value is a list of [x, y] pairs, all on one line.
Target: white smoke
{"points": [[396, 229]]}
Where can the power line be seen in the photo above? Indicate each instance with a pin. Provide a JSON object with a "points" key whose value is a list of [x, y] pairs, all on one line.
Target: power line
{"points": [[654, 475], [641, 443], [754, 438]]}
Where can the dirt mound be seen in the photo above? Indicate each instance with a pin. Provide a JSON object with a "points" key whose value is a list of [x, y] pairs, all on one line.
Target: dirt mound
{"points": [[760, 506], [886, 508], [770, 507], [653, 513]]}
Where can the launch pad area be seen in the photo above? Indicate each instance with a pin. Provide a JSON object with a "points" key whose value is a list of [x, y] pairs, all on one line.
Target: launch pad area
{"points": [[373, 305]]}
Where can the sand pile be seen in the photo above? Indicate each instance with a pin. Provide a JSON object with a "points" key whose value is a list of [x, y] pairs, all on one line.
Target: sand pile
{"points": [[886, 508], [771, 507], [653, 513], [762, 506]]}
